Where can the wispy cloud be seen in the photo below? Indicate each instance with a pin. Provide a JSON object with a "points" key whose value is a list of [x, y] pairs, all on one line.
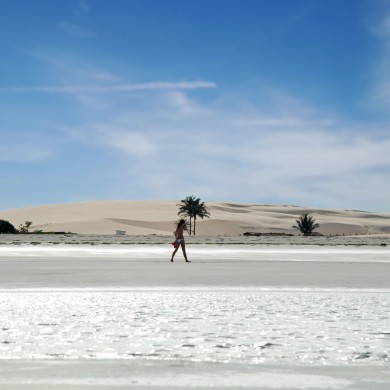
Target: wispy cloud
{"points": [[380, 94], [71, 68], [23, 153], [156, 86], [212, 150], [76, 28], [382, 28], [83, 7], [131, 143], [286, 122], [171, 142]]}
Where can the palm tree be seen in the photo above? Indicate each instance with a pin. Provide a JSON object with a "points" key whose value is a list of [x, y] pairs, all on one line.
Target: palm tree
{"points": [[306, 224], [187, 208], [192, 207], [200, 211]]}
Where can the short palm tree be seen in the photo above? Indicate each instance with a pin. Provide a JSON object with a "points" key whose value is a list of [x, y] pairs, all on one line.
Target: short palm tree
{"points": [[306, 224], [192, 207]]}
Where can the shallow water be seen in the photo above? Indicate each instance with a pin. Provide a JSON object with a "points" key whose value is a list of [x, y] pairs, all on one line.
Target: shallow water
{"points": [[243, 325]]}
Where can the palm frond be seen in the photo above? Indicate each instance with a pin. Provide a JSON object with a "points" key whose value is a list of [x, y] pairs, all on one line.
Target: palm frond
{"points": [[306, 224], [193, 207]]}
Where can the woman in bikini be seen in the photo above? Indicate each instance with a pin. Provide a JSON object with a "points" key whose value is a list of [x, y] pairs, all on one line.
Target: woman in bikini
{"points": [[179, 242]]}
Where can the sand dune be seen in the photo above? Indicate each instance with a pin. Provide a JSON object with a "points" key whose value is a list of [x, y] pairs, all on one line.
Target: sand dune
{"points": [[139, 217]]}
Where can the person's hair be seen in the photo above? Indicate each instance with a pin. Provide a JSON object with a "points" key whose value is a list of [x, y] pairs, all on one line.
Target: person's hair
{"points": [[181, 223]]}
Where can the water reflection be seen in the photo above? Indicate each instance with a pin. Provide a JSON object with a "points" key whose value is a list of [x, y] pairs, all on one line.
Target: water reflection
{"points": [[219, 326]]}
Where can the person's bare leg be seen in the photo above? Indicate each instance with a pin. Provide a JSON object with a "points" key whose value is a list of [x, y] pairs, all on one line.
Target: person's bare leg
{"points": [[174, 253], [183, 248]]}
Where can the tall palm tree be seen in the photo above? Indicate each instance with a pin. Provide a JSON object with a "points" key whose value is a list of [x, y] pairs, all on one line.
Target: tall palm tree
{"points": [[192, 207], [187, 208], [306, 224], [200, 210]]}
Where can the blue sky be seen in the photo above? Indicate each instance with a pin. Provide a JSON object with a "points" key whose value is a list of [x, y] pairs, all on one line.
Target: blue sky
{"points": [[257, 101]]}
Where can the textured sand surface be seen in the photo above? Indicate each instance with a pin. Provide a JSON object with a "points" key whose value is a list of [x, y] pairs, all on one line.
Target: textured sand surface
{"points": [[157, 217]]}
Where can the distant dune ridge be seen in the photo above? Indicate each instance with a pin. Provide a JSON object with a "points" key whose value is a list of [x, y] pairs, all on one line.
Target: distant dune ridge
{"points": [[142, 217]]}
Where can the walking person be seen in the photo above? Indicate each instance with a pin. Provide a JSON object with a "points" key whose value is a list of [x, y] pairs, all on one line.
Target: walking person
{"points": [[179, 242]]}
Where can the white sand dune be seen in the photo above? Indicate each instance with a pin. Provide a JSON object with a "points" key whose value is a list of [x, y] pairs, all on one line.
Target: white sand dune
{"points": [[142, 217]]}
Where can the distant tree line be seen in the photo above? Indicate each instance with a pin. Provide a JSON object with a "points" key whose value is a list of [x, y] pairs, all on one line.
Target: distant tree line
{"points": [[6, 227]]}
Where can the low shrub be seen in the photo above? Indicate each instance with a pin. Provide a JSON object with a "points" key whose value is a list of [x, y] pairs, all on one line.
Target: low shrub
{"points": [[6, 227]]}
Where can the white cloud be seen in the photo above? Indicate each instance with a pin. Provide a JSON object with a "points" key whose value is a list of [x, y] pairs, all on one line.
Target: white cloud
{"points": [[178, 146], [315, 154], [183, 105], [167, 144], [133, 144]]}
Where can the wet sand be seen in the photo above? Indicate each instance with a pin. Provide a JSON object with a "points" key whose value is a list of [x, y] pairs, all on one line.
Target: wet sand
{"points": [[120, 273], [235, 266], [212, 267], [114, 374]]}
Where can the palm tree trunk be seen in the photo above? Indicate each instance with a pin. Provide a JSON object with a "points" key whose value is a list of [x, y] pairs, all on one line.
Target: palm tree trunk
{"points": [[194, 223], [190, 224]]}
